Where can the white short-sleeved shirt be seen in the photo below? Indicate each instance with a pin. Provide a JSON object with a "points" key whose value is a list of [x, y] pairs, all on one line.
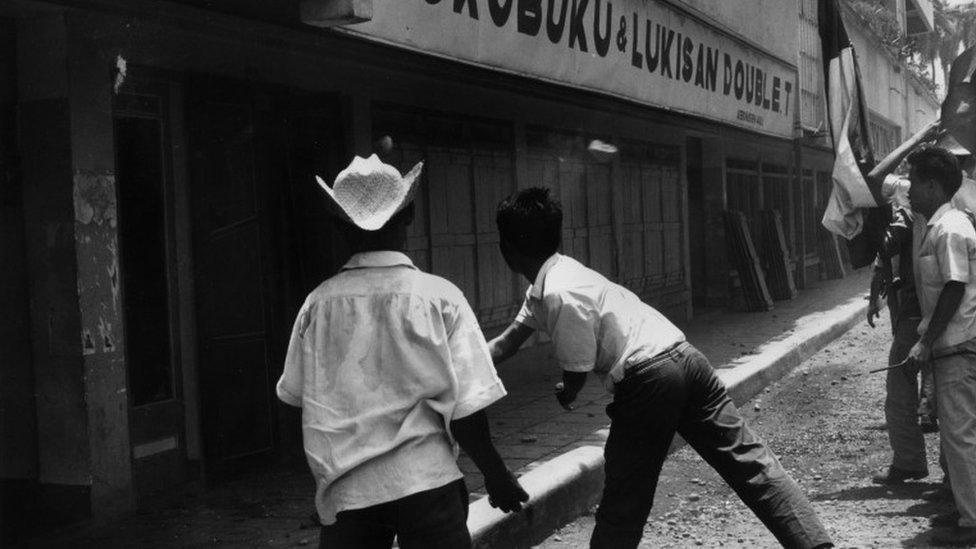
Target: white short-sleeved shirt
{"points": [[948, 253], [595, 325], [382, 357]]}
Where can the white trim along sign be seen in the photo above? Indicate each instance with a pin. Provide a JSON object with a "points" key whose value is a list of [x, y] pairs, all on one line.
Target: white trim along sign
{"points": [[644, 51]]}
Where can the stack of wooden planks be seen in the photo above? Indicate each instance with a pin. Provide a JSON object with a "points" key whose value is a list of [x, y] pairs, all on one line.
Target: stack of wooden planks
{"points": [[776, 257], [743, 255]]}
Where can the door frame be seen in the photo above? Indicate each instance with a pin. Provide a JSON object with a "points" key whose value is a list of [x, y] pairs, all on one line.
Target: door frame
{"points": [[160, 427]]}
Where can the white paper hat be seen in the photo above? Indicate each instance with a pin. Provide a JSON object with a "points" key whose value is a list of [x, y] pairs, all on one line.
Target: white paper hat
{"points": [[369, 192]]}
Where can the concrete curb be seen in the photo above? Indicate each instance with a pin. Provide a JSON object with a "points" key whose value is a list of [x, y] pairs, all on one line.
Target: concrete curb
{"points": [[565, 487]]}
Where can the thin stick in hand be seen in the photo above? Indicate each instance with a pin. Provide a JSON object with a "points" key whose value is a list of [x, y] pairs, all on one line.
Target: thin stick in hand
{"points": [[892, 367]]}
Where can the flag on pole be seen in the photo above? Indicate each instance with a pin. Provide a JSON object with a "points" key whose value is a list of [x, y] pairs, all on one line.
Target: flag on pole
{"points": [[958, 109], [847, 116]]}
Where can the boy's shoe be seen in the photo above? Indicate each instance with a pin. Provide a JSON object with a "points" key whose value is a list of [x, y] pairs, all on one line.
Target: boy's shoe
{"points": [[928, 423], [957, 535], [938, 495], [945, 520], [898, 476]]}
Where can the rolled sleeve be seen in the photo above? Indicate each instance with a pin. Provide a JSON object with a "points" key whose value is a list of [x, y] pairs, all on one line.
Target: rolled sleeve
{"points": [[300, 354], [573, 332], [525, 316], [953, 249], [477, 382]]}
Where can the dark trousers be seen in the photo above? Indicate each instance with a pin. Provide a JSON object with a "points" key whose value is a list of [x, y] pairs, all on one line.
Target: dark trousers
{"points": [[901, 401], [684, 395], [432, 519]]}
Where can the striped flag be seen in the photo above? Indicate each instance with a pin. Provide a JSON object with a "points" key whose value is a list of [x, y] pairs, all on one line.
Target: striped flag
{"points": [[959, 107], [848, 127]]}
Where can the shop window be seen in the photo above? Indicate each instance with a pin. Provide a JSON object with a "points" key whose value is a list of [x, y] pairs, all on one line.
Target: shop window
{"points": [[652, 209], [742, 191], [776, 196], [560, 161], [885, 136]]}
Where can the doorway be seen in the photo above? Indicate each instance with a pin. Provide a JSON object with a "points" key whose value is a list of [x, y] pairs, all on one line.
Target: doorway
{"points": [[148, 280]]}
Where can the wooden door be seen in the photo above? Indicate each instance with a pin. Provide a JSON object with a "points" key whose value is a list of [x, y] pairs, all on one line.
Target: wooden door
{"points": [[230, 232]]}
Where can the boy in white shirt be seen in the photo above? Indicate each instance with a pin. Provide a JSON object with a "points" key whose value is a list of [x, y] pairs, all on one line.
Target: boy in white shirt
{"points": [[661, 384], [390, 369]]}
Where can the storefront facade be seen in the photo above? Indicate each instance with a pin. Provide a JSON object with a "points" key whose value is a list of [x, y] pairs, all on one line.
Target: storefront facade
{"points": [[171, 226]]}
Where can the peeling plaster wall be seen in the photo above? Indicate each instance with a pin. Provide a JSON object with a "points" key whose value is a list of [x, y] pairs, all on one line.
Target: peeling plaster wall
{"points": [[96, 242], [69, 204], [18, 422]]}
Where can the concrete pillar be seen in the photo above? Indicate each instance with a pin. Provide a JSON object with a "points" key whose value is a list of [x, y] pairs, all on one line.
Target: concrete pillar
{"points": [[69, 203], [800, 207], [90, 76]]}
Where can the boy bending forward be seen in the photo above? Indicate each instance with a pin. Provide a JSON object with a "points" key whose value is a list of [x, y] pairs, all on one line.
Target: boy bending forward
{"points": [[661, 384]]}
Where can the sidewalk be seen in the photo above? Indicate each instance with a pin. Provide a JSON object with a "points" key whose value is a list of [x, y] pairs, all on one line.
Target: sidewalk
{"points": [[557, 453]]}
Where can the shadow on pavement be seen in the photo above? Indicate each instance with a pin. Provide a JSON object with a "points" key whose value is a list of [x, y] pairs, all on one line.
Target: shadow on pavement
{"points": [[922, 539], [908, 490]]}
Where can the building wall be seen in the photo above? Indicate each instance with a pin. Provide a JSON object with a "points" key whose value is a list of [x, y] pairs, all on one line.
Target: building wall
{"points": [[771, 24], [899, 105], [482, 133]]}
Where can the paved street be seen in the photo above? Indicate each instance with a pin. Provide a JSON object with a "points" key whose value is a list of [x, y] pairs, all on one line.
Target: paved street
{"points": [[824, 422]]}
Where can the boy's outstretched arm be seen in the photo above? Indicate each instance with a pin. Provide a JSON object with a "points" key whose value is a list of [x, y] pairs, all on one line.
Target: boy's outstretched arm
{"points": [[472, 434], [509, 342]]}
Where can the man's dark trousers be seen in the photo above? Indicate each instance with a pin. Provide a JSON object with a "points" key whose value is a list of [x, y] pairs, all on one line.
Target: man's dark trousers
{"points": [[901, 390], [432, 519], [683, 395]]}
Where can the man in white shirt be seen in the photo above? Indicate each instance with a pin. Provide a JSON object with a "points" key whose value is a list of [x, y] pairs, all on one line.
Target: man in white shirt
{"points": [[661, 384], [945, 272], [390, 368]]}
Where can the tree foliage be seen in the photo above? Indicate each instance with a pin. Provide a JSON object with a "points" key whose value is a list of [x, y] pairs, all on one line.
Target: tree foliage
{"points": [[955, 26]]}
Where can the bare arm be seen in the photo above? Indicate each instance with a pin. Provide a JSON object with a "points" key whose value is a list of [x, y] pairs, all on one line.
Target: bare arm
{"points": [[949, 299], [888, 164], [509, 342], [474, 437]]}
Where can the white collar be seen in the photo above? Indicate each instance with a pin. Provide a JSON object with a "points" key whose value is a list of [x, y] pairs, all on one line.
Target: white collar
{"points": [[939, 213], [386, 258]]}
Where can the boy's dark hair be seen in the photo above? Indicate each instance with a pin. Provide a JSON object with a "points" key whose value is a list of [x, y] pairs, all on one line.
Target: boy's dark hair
{"points": [[531, 221], [938, 164]]}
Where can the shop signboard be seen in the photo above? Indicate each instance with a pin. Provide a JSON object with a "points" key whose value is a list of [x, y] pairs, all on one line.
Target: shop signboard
{"points": [[645, 51]]}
